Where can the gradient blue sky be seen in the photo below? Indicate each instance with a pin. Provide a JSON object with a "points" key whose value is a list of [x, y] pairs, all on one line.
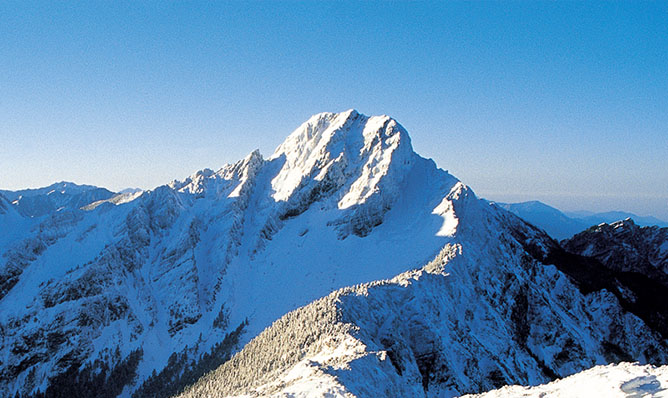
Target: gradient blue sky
{"points": [[562, 102]]}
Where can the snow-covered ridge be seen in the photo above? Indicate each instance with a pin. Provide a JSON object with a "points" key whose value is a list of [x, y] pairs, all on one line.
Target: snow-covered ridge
{"points": [[207, 180], [493, 308], [332, 141]]}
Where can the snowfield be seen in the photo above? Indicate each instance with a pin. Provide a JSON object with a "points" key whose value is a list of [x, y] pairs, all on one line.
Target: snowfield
{"points": [[613, 381]]}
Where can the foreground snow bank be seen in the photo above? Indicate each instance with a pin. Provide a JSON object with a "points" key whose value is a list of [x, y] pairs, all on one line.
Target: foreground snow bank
{"points": [[621, 380]]}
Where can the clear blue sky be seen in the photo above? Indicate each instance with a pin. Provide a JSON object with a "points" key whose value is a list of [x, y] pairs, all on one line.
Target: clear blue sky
{"points": [[561, 102]]}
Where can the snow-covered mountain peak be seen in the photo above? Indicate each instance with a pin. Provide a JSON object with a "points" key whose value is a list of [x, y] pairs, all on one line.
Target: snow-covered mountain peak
{"points": [[244, 168], [336, 133], [204, 179], [313, 133], [354, 155]]}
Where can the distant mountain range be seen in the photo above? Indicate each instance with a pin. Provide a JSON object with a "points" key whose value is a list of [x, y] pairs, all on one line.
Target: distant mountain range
{"points": [[612, 216], [562, 225], [56, 197]]}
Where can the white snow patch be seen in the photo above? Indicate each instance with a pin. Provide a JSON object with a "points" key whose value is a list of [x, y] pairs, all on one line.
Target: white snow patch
{"points": [[624, 380]]}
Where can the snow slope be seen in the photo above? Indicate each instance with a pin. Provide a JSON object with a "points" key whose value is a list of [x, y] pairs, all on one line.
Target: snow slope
{"points": [[622, 381], [12, 224], [8, 213]]}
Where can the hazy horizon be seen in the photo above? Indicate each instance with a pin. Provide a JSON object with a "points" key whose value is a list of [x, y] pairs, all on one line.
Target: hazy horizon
{"points": [[559, 102]]}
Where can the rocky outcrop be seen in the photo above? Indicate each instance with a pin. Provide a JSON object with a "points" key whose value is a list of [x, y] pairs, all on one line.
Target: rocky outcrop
{"points": [[624, 246]]}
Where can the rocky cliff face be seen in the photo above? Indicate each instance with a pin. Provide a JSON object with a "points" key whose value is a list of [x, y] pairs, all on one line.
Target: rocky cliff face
{"points": [[624, 246], [632, 261]]}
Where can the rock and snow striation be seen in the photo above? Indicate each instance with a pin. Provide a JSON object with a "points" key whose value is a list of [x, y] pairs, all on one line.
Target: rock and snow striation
{"points": [[154, 280]]}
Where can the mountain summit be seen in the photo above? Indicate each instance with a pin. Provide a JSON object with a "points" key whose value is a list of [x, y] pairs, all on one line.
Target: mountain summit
{"points": [[349, 264], [371, 154]]}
